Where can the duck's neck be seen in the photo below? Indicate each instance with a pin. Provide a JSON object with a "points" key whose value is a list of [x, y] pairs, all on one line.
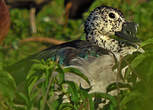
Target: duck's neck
{"points": [[118, 48]]}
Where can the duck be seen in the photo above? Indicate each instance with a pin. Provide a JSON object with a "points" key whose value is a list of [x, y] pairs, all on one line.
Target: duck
{"points": [[5, 20], [95, 56]]}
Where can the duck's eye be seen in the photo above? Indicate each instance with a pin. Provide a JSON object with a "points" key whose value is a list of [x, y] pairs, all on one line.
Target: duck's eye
{"points": [[112, 15]]}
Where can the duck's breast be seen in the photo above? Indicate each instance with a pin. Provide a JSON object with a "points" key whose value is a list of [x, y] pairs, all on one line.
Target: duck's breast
{"points": [[98, 70]]}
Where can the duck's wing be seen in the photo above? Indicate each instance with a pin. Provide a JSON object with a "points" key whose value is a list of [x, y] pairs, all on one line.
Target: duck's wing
{"points": [[63, 53], [66, 52]]}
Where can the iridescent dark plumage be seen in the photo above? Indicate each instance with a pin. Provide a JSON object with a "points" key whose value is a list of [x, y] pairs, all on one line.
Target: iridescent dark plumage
{"points": [[65, 52]]}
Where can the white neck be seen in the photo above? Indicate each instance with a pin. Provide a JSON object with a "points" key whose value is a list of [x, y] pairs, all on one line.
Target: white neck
{"points": [[118, 48], [108, 43]]}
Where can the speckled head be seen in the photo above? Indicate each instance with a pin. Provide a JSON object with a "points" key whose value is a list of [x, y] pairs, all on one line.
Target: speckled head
{"points": [[104, 22]]}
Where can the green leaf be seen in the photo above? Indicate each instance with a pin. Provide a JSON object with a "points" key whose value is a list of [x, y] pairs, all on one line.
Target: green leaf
{"points": [[76, 72], [72, 90], [54, 105], [106, 96], [23, 97], [142, 65], [7, 86], [91, 102], [66, 106], [147, 42], [60, 74], [116, 85], [130, 97], [20, 69]]}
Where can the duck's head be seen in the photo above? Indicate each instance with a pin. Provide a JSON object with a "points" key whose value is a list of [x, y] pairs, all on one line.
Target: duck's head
{"points": [[104, 22]]}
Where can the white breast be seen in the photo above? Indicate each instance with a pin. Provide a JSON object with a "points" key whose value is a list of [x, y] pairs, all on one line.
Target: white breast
{"points": [[98, 70]]}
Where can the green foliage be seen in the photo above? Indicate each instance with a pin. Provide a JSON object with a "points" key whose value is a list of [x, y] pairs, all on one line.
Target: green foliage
{"points": [[45, 79], [46, 88], [139, 74], [7, 90]]}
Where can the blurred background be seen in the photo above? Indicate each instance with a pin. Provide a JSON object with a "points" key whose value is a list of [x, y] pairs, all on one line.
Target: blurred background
{"points": [[37, 24], [29, 26]]}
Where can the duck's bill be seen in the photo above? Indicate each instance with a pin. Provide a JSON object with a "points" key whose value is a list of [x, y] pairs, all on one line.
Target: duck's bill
{"points": [[128, 32]]}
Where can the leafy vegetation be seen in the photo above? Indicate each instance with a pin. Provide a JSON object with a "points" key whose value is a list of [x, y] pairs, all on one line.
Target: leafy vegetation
{"points": [[39, 89]]}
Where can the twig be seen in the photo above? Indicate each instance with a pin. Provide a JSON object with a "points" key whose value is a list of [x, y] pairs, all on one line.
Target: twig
{"points": [[67, 9], [117, 80], [47, 91], [32, 20], [42, 39]]}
